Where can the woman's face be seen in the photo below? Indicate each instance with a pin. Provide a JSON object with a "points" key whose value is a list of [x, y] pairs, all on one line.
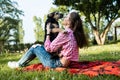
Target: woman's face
{"points": [[66, 21]]}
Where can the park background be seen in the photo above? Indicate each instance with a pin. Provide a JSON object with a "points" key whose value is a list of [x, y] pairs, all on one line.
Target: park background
{"points": [[22, 23]]}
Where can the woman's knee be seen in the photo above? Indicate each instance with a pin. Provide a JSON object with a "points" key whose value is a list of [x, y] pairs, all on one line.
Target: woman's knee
{"points": [[36, 45]]}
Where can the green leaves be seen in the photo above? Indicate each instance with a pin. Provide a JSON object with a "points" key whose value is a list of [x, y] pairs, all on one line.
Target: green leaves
{"points": [[6, 25], [9, 8], [38, 30], [9, 20], [96, 11]]}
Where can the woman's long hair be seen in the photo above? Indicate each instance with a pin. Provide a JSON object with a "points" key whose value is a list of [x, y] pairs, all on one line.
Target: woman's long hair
{"points": [[77, 27]]}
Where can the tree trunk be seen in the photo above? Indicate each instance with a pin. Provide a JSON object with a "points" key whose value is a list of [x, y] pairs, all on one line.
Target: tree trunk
{"points": [[100, 38], [97, 37], [1, 46], [115, 33]]}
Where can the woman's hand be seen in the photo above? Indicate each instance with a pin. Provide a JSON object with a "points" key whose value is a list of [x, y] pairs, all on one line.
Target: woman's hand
{"points": [[54, 30], [55, 25]]}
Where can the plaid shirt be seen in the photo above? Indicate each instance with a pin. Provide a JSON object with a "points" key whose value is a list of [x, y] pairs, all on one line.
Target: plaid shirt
{"points": [[67, 44]]}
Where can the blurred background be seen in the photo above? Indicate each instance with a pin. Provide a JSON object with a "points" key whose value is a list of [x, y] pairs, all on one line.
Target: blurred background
{"points": [[22, 21]]}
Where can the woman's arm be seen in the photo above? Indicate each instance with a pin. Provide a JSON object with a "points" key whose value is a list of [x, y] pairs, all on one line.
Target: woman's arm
{"points": [[54, 30], [58, 42]]}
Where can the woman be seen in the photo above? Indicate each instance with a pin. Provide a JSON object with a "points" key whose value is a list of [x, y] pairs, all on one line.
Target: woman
{"points": [[68, 42]]}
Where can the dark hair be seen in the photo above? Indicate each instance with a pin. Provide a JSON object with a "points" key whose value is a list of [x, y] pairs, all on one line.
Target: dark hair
{"points": [[77, 27]]}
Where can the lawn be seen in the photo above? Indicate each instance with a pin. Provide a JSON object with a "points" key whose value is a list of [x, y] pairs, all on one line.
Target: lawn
{"points": [[109, 52]]}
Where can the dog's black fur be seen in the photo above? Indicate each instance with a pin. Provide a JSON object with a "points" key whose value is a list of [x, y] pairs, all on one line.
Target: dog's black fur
{"points": [[50, 19]]}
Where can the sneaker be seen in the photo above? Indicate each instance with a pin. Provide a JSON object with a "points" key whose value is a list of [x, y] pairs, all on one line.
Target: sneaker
{"points": [[13, 64]]}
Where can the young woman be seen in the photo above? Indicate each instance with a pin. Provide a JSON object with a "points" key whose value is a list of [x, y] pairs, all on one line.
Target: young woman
{"points": [[68, 42]]}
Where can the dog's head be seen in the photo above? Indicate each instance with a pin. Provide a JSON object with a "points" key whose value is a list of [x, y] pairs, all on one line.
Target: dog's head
{"points": [[58, 14]]}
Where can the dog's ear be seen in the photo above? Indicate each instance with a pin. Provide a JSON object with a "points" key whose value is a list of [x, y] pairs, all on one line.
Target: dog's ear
{"points": [[50, 15]]}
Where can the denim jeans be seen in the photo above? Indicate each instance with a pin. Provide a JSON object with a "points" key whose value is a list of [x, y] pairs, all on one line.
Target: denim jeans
{"points": [[43, 56]]}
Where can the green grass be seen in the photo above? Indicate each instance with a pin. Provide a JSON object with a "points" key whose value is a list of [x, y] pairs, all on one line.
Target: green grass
{"points": [[106, 53]]}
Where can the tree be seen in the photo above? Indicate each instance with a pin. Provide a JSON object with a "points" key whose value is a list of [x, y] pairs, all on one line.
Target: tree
{"points": [[96, 11], [17, 33], [9, 8], [21, 32], [39, 33], [9, 20], [116, 25], [9, 31]]}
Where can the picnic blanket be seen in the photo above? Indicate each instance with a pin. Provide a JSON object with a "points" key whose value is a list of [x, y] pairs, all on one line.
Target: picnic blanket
{"points": [[93, 68]]}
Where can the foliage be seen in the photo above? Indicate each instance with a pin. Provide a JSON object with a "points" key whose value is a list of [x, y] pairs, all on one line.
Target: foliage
{"points": [[20, 32], [6, 25], [9, 22], [100, 14], [8, 8], [39, 32], [109, 52], [62, 9]]}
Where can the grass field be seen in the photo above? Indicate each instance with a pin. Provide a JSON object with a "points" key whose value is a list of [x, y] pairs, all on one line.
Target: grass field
{"points": [[109, 52]]}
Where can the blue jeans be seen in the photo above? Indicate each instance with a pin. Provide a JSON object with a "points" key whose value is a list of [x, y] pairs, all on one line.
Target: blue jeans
{"points": [[43, 56]]}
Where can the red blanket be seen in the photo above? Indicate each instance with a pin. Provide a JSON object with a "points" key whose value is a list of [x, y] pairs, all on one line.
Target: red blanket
{"points": [[88, 68]]}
